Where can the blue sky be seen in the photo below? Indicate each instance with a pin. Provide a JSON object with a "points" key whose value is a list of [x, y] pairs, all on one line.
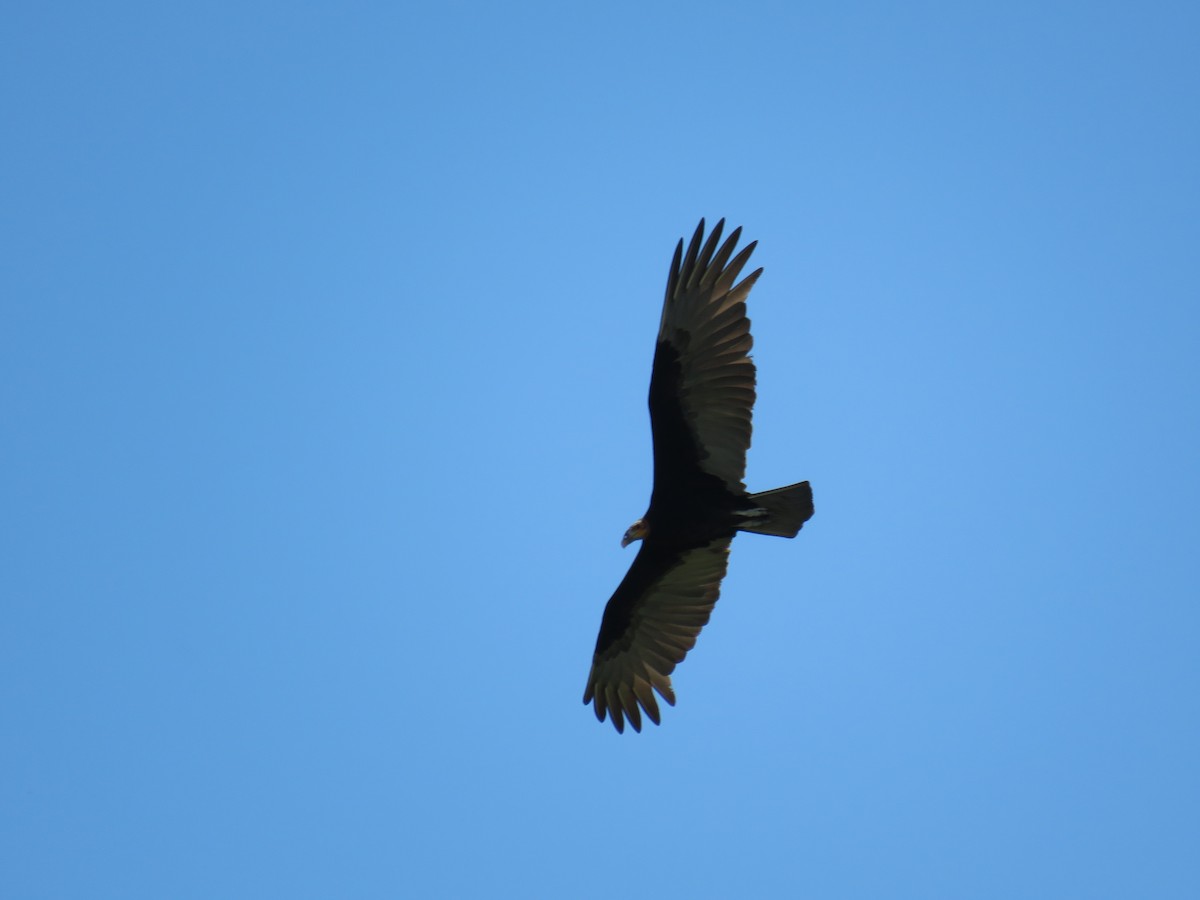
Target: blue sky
{"points": [[325, 335]]}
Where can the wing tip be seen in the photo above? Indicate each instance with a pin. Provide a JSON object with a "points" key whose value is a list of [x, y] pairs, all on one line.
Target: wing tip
{"points": [[624, 703]]}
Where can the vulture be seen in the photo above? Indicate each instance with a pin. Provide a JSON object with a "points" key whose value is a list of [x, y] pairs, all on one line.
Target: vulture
{"points": [[701, 397]]}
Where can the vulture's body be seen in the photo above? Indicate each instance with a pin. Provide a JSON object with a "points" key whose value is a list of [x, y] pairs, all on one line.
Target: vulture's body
{"points": [[701, 397]]}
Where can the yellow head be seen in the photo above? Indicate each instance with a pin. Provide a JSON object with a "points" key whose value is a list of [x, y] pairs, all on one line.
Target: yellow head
{"points": [[635, 532]]}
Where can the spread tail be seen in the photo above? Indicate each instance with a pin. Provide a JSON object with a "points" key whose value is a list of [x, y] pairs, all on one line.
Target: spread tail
{"points": [[780, 512]]}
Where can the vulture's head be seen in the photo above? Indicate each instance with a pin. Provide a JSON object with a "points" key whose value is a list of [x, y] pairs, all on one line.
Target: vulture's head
{"points": [[635, 532]]}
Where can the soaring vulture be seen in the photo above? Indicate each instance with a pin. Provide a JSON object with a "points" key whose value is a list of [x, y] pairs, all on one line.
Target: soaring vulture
{"points": [[701, 396]]}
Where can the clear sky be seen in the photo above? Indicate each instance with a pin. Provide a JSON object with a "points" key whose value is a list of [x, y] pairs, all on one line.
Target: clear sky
{"points": [[325, 339]]}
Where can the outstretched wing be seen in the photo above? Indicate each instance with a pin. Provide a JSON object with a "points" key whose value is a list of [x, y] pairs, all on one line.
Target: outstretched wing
{"points": [[702, 383], [649, 626]]}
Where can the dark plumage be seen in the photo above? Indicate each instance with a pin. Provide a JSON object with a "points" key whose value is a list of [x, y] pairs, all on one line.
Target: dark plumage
{"points": [[701, 397]]}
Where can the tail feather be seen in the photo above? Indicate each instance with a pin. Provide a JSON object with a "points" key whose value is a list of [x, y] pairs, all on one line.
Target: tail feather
{"points": [[783, 510]]}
